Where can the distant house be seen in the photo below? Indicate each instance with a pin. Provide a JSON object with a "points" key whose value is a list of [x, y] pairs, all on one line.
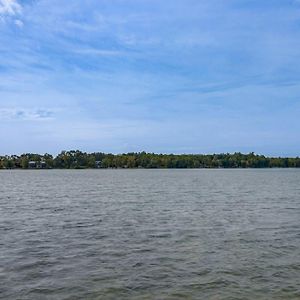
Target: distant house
{"points": [[32, 164], [98, 164], [37, 164]]}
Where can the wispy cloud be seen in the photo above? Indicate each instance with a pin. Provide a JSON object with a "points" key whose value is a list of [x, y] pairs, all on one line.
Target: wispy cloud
{"points": [[19, 23], [11, 10], [98, 52], [10, 7], [22, 114]]}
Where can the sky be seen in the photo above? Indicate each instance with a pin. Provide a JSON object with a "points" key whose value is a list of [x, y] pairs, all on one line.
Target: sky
{"points": [[172, 76]]}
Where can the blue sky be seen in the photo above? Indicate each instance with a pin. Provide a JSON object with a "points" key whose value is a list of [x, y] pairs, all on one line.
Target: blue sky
{"points": [[181, 76]]}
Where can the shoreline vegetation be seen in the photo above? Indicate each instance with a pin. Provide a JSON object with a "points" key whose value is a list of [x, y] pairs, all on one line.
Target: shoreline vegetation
{"points": [[76, 159]]}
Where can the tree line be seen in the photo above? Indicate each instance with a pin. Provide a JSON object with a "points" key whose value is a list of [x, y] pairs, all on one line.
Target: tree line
{"points": [[76, 159]]}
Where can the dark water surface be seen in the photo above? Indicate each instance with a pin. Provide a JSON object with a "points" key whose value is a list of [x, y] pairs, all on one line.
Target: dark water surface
{"points": [[150, 234]]}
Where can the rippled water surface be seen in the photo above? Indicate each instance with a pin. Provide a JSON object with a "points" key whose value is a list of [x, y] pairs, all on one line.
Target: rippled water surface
{"points": [[150, 234]]}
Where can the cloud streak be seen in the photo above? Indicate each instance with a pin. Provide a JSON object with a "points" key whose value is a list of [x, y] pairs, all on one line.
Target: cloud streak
{"points": [[21, 114]]}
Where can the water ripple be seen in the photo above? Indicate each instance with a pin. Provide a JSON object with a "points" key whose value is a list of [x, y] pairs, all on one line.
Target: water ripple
{"points": [[150, 234]]}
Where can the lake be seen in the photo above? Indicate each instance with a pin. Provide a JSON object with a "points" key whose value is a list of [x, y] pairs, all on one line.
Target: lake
{"points": [[150, 234]]}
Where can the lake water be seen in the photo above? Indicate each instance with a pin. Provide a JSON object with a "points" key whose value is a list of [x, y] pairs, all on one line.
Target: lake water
{"points": [[150, 234]]}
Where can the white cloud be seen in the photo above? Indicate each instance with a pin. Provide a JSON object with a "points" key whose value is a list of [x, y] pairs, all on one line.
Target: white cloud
{"points": [[19, 23], [10, 7]]}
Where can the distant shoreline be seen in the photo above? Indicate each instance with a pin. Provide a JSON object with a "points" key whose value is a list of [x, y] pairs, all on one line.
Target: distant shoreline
{"points": [[76, 159]]}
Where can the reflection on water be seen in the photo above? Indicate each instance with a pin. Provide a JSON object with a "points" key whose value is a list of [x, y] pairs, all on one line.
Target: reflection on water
{"points": [[150, 234]]}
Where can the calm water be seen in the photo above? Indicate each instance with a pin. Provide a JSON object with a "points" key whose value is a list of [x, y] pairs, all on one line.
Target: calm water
{"points": [[150, 234]]}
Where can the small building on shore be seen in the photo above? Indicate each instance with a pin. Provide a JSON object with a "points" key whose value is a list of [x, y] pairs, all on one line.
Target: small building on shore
{"points": [[32, 164], [37, 164]]}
